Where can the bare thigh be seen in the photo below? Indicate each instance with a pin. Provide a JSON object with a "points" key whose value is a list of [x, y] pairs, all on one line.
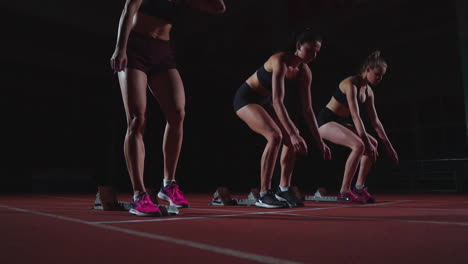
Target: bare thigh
{"points": [[339, 134], [258, 119], [133, 85], [168, 89]]}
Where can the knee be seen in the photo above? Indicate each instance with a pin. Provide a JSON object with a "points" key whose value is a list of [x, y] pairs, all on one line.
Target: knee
{"points": [[275, 138], [176, 117], [136, 125], [358, 147]]}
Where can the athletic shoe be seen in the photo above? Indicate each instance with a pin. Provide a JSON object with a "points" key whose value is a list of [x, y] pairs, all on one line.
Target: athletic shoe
{"points": [[365, 195], [173, 195], [269, 201], [289, 197], [143, 206], [350, 197]]}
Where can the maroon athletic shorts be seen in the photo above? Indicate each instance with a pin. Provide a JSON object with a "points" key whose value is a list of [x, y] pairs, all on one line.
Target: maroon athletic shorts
{"points": [[148, 54]]}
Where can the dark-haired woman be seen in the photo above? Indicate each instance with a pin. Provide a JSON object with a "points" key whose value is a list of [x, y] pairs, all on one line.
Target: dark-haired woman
{"points": [[259, 103], [143, 59], [341, 122]]}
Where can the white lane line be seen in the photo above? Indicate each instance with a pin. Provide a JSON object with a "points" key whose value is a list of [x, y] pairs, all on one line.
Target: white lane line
{"points": [[182, 242], [381, 219], [219, 210], [279, 211]]}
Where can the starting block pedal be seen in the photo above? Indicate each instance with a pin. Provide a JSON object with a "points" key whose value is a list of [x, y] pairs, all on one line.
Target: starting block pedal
{"points": [[223, 197], [321, 196], [106, 200]]}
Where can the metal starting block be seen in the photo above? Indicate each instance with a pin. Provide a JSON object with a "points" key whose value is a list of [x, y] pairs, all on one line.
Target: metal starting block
{"points": [[106, 200], [223, 197], [321, 196]]}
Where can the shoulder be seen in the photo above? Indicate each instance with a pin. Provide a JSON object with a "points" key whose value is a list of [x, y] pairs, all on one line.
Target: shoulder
{"points": [[277, 62], [347, 85], [278, 58]]}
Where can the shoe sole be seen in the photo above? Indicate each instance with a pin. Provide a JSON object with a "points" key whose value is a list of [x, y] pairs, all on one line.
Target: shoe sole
{"points": [[166, 198], [138, 213], [263, 205]]}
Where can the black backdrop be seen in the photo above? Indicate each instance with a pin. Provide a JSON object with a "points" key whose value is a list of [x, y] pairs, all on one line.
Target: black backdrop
{"points": [[65, 123]]}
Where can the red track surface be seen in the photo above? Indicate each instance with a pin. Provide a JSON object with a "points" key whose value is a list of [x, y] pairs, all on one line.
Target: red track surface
{"points": [[398, 229]]}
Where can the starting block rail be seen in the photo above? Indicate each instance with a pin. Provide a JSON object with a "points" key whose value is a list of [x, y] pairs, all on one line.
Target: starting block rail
{"points": [[223, 197], [320, 196]]}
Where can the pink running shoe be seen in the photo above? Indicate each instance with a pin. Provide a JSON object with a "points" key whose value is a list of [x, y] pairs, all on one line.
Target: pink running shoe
{"points": [[350, 197], [143, 206], [173, 195], [365, 195]]}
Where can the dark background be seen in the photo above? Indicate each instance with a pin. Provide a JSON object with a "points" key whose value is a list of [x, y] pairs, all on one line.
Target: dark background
{"points": [[64, 120]]}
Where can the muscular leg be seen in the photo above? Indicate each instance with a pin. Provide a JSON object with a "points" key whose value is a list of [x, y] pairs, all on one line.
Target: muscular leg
{"points": [[341, 135], [133, 87], [258, 119], [168, 89], [288, 156], [366, 164]]}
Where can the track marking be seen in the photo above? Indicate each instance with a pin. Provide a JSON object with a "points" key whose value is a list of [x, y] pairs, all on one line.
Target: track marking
{"points": [[382, 219], [241, 214], [182, 242], [219, 210]]}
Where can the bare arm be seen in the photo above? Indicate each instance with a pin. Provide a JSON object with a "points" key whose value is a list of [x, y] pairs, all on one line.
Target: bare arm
{"points": [[119, 58], [292, 136], [125, 22], [208, 6], [308, 112], [379, 129], [306, 100], [351, 96], [279, 73]]}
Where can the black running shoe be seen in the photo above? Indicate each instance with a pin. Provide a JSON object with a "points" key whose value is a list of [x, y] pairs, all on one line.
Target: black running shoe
{"points": [[269, 201], [289, 197]]}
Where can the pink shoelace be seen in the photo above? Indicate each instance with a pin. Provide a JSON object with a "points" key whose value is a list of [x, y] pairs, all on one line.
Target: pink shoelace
{"points": [[178, 193]]}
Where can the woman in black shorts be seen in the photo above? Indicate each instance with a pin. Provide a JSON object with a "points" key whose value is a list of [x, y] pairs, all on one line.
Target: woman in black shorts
{"points": [[259, 103], [341, 123]]}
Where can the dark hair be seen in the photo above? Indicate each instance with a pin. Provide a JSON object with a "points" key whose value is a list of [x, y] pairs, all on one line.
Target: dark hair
{"points": [[307, 35], [302, 35], [374, 60]]}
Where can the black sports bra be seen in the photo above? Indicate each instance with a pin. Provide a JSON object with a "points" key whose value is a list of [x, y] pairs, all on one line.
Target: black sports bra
{"points": [[164, 9], [266, 78], [341, 97]]}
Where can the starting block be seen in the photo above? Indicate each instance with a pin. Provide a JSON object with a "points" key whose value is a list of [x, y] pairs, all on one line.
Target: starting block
{"points": [[106, 200], [223, 197], [321, 196]]}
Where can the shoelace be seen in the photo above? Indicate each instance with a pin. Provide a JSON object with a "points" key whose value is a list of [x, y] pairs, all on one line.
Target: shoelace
{"points": [[175, 191], [143, 199]]}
